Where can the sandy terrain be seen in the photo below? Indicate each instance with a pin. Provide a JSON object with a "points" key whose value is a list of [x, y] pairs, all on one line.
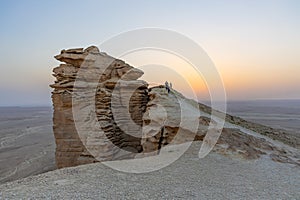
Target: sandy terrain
{"points": [[26, 142]]}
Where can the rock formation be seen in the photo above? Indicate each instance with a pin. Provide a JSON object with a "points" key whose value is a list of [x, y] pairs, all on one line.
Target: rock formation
{"points": [[102, 112], [116, 77]]}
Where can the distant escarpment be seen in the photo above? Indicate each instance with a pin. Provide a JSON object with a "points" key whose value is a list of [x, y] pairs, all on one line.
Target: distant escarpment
{"points": [[102, 112]]}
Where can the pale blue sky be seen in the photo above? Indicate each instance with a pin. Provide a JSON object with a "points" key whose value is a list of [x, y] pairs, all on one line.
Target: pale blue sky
{"points": [[255, 44]]}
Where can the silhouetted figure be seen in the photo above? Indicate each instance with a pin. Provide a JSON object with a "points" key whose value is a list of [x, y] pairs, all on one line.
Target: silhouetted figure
{"points": [[171, 85], [167, 87]]}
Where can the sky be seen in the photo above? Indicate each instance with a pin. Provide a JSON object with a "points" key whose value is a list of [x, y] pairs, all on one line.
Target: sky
{"points": [[254, 45]]}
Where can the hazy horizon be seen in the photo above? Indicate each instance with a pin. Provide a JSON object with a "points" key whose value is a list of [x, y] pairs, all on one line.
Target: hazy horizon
{"points": [[255, 45], [204, 101]]}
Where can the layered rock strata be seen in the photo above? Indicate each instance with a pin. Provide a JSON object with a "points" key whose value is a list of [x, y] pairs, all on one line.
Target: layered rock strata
{"points": [[86, 92]]}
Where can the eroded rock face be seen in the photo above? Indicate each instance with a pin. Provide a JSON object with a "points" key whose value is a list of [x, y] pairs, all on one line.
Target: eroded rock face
{"points": [[170, 119], [113, 87]]}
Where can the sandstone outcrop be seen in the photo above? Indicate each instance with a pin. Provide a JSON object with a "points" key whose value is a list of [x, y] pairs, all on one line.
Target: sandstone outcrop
{"points": [[102, 112], [117, 78]]}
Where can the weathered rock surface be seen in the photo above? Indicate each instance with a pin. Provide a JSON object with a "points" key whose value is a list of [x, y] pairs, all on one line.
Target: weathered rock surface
{"points": [[170, 119], [110, 84]]}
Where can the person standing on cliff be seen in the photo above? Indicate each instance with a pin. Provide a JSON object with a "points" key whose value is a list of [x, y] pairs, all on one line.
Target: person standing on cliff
{"points": [[167, 87]]}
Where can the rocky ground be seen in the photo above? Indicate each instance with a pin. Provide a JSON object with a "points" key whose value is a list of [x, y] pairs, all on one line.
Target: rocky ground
{"points": [[214, 177]]}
